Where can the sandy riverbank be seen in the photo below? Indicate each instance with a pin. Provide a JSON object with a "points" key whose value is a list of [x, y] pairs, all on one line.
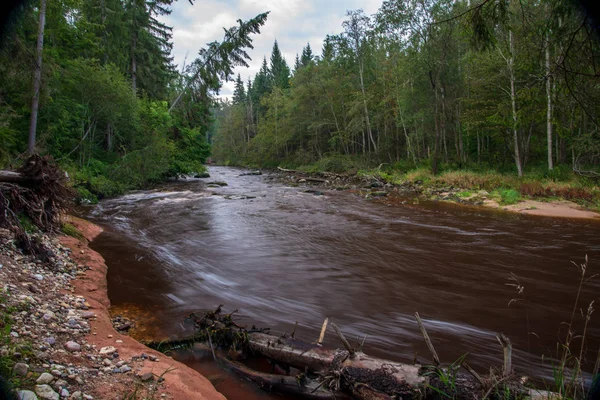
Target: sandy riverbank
{"points": [[180, 381]]}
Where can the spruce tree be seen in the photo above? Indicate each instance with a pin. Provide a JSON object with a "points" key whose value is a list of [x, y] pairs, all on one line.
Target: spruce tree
{"points": [[280, 72], [307, 55], [239, 93]]}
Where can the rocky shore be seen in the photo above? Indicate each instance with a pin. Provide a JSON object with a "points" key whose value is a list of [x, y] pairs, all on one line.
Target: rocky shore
{"points": [[373, 188], [59, 341]]}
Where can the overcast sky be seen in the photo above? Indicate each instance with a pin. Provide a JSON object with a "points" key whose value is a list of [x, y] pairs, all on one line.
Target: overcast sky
{"points": [[294, 23]]}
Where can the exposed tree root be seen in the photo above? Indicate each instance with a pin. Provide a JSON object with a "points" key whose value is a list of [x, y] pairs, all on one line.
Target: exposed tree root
{"points": [[38, 192]]}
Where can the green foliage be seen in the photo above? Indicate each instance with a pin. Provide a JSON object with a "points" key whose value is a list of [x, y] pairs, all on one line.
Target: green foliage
{"points": [[70, 230], [509, 196]]}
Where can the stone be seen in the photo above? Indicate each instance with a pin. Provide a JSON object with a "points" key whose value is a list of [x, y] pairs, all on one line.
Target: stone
{"points": [[44, 379], [39, 277], [50, 340], [88, 314], [14, 334], [152, 358], [108, 350], [202, 175], [61, 383], [107, 362], [76, 396], [88, 397], [124, 369], [73, 323], [33, 289], [48, 316], [45, 392], [26, 395], [72, 346], [148, 376], [20, 369], [64, 393]]}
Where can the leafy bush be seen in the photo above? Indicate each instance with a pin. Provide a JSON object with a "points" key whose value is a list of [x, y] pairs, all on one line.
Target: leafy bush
{"points": [[509, 196]]}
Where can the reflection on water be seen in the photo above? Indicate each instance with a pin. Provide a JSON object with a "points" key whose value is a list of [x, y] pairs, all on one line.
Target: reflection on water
{"points": [[280, 255]]}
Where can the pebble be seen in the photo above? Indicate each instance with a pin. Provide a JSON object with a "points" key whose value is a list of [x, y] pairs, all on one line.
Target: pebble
{"points": [[64, 393], [48, 316], [72, 346], [14, 334], [76, 395], [50, 340], [124, 368], [45, 392], [148, 376], [44, 379], [20, 369], [39, 277], [26, 395], [107, 350], [61, 383]]}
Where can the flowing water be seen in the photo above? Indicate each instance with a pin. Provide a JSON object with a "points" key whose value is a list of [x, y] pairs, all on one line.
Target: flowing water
{"points": [[280, 255]]}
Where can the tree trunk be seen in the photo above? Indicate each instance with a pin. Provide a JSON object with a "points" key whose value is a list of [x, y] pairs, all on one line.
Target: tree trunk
{"points": [[366, 109], [513, 100], [37, 79], [549, 101]]}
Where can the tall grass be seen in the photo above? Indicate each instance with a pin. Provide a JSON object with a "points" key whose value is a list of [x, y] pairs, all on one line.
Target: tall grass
{"points": [[568, 363]]}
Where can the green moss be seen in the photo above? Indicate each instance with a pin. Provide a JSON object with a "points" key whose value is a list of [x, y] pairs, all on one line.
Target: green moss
{"points": [[70, 230]]}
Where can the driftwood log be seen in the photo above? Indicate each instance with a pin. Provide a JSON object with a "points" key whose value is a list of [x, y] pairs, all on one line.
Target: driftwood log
{"points": [[313, 371]]}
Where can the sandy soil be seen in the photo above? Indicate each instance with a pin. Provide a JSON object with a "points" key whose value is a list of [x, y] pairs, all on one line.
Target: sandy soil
{"points": [[180, 381], [557, 208]]}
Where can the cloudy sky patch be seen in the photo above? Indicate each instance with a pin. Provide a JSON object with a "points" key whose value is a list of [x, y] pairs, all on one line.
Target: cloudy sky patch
{"points": [[294, 23]]}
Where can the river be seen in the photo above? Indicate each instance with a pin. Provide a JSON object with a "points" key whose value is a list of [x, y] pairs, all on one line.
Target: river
{"points": [[280, 255]]}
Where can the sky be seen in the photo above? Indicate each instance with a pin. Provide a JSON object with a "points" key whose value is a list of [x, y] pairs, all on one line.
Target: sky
{"points": [[294, 23]]}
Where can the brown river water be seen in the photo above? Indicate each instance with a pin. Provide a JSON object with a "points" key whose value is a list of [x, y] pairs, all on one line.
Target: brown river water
{"points": [[280, 255]]}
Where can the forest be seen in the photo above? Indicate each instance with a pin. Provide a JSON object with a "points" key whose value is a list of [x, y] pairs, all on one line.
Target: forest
{"points": [[434, 86], [93, 84]]}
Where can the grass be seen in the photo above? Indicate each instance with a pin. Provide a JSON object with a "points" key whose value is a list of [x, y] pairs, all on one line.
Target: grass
{"points": [[567, 363], [70, 230]]}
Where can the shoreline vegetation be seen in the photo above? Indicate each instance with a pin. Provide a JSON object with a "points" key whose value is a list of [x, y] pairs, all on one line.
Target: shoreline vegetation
{"points": [[566, 196]]}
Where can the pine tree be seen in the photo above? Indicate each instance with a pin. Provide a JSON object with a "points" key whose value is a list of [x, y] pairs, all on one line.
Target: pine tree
{"points": [[280, 72], [307, 55], [297, 63], [239, 93]]}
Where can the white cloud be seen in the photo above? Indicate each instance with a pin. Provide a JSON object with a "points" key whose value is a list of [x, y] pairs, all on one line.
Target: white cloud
{"points": [[292, 22]]}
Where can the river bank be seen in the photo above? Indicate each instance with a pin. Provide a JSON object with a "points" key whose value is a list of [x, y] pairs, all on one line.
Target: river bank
{"points": [[386, 189], [61, 341]]}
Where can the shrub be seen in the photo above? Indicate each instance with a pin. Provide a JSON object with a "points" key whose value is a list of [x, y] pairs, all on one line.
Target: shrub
{"points": [[509, 196]]}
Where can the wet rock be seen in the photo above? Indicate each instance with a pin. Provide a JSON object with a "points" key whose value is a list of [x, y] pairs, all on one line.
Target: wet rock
{"points": [[257, 172], [379, 194], [218, 183], [44, 378], [46, 392], [26, 395], [202, 175], [72, 346], [20, 369]]}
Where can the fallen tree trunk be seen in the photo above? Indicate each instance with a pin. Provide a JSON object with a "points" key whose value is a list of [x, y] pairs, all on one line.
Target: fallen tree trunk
{"points": [[13, 177], [283, 384], [348, 372]]}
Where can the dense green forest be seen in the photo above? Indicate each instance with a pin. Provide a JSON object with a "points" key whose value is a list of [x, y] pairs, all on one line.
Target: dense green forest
{"points": [[501, 86], [94, 84]]}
